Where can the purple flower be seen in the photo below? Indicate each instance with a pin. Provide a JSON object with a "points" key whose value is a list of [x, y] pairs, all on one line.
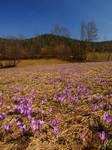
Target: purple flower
{"points": [[29, 103], [16, 89], [44, 101], [7, 127], [2, 116], [41, 111], [29, 117], [36, 124], [41, 123], [1, 99], [103, 135], [54, 122], [95, 107], [50, 110], [22, 126], [61, 98], [25, 110], [107, 118], [56, 131]]}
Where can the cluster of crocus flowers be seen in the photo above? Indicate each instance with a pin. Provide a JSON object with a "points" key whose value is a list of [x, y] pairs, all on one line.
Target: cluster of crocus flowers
{"points": [[36, 124], [21, 125], [24, 106], [54, 124], [103, 135], [7, 127]]}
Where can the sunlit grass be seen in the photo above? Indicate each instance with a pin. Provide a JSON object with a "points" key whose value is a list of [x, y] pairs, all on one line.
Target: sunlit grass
{"points": [[96, 56], [71, 101], [37, 62]]}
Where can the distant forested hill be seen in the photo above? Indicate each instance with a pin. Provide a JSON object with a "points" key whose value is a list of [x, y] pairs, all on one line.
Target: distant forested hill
{"points": [[49, 45]]}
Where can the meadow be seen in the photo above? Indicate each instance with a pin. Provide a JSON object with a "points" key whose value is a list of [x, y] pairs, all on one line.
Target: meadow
{"points": [[56, 107]]}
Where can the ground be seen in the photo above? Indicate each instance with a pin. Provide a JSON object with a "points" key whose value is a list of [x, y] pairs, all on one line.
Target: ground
{"points": [[56, 107], [39, 62]]}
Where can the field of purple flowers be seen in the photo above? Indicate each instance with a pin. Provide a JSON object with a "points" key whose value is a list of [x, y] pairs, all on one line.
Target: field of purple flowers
{"points": [[58, 107]]}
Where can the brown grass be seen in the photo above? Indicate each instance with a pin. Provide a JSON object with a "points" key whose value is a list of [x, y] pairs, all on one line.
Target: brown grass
{"points": [[37, 62]]}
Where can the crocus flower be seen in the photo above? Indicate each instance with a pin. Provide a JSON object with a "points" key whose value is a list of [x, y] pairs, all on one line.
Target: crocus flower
{"points": [[55, 130], [1, 99], [61, 98], [3, 115], [54, 122], [103, 135], [21, 126], [44, 101], [16, 89], [36, 124], [7, 127], [107, 118]]}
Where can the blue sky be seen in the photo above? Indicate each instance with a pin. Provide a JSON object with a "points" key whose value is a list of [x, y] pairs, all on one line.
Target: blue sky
{"points": [[30, 17]]}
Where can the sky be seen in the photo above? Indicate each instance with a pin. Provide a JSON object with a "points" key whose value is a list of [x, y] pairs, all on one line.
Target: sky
{"points": [[32, 17]]}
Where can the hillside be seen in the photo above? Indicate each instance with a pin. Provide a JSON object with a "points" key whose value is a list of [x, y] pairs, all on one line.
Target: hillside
{"points": [[49, 45]]}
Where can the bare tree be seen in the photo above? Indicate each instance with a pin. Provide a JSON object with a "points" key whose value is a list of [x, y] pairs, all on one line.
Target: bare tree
{"points": [[92, 31], [60, 31], [9, 52], [83, 30], [89, 31]]}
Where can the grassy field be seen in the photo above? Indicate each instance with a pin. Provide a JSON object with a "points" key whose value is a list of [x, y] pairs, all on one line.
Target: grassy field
{"points": [[96, 56], [37, 62], [56, 107], [91, 57]]}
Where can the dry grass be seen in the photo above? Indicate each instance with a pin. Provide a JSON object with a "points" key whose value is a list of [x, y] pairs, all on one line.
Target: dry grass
{"points": [[79, 123], [37, 62], [96, 56]]}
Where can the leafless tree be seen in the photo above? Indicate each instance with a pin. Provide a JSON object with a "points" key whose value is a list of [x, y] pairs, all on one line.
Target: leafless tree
{"points": [[60, 31], [83, 30], [89, 31]]}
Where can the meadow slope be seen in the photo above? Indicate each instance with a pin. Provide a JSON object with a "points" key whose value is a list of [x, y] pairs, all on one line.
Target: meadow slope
{"points": [[58, 107]]}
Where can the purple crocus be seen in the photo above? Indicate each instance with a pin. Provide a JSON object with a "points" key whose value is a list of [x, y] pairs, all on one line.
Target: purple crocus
{"points": [[1, 99], [21, 125], [107, 118], [44, 101], [7, 127], [103, 135], [16, 89], [56, 131], [36, 124], [3, 115], [61, 98], [54, 122]]}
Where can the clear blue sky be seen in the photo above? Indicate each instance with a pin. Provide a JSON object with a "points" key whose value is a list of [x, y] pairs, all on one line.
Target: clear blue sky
{"points": [[30, 17]]}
